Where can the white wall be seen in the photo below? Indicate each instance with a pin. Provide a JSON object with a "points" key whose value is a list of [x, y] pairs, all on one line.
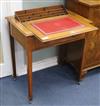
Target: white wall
{"points": [[7, 8]]}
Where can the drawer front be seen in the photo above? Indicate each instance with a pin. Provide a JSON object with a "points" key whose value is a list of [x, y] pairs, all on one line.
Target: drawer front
{"points": [[92, 50]]}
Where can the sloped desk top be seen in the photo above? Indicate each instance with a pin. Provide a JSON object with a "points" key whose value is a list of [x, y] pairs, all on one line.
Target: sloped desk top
{"points": [[27, 29]]}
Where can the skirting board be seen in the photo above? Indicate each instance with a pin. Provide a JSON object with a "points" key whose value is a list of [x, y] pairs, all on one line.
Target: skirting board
{"points": [[39, 65]]}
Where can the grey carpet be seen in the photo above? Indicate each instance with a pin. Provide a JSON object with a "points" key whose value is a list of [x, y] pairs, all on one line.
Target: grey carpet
{"points": [[55, 86]]}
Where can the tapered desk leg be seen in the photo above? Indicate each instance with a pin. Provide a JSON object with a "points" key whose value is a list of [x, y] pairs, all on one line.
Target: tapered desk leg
{"points": [[29, 74], [13, 56]]}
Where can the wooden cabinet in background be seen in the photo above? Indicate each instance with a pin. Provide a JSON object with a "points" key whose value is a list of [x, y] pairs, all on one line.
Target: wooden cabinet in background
{"points": [[92, 50], [89, 9]]}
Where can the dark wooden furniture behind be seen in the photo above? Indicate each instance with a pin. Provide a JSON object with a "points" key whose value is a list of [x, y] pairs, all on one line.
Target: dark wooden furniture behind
{"points": [[24, 34], [89, 9]]}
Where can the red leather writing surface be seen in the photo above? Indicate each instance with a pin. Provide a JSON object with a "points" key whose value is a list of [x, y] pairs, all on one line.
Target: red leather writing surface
{"points": [[56, 25]]}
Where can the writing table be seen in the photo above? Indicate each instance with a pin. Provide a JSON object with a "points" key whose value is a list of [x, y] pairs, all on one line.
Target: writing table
{"points": [[22, 29]]}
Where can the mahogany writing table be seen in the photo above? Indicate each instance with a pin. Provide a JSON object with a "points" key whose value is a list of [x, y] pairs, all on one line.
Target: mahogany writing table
{"points": [[32, 39]]}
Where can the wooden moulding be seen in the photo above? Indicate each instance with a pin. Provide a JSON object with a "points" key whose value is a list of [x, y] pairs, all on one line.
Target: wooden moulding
{"points": [[38, 13]]}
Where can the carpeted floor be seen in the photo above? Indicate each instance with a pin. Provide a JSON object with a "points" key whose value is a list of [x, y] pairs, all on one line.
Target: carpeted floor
{"points": [[55, 86]]}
